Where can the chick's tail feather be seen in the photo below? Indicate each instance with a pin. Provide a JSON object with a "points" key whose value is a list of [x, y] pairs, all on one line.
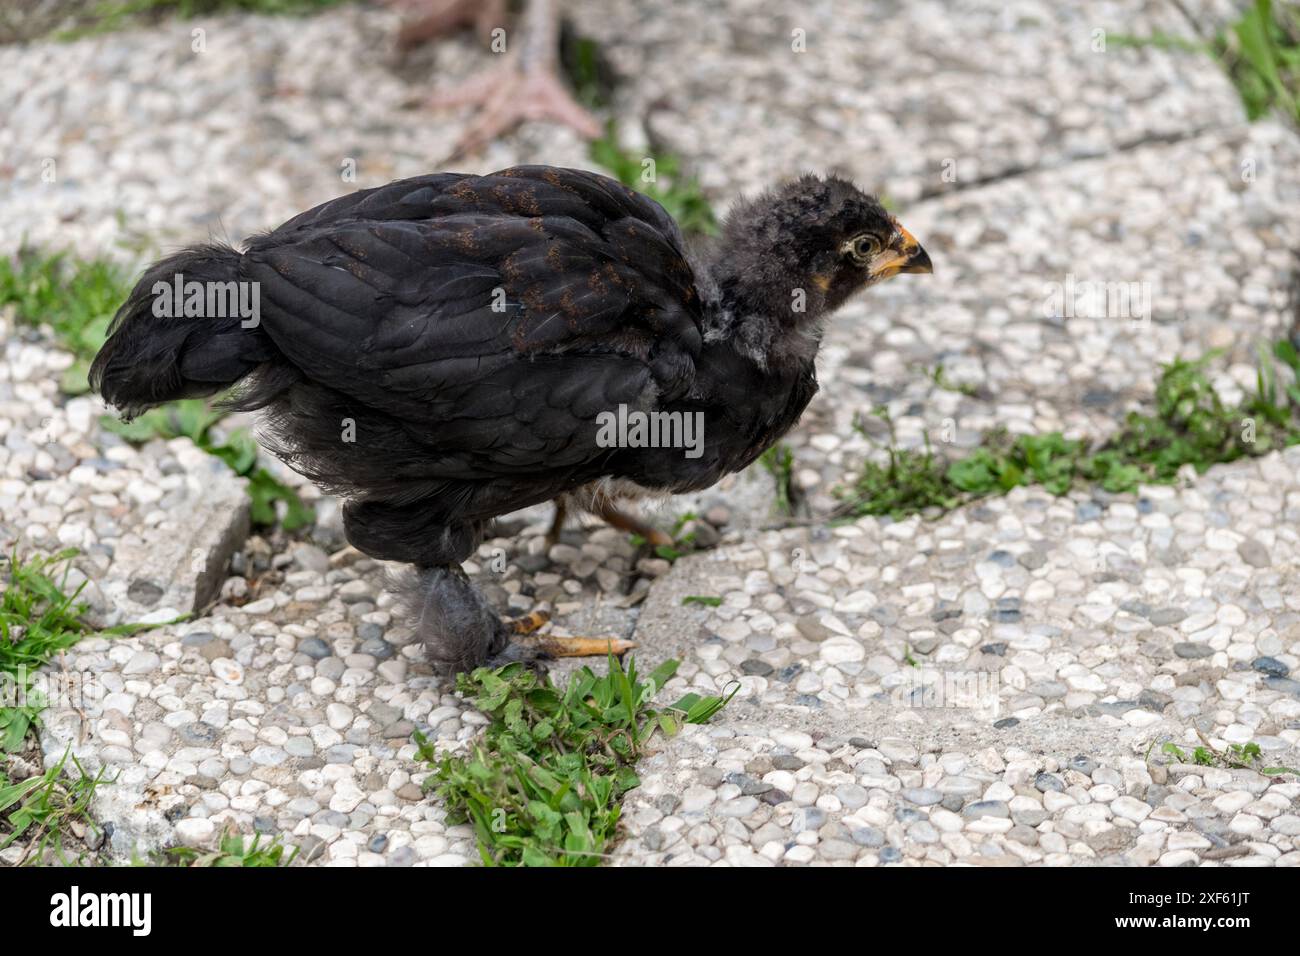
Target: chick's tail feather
{"points": [[155, 353]]}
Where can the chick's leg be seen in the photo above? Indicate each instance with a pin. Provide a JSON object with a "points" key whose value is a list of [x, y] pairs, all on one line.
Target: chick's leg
{"points": [[557, 523], [525, 630], [527, 86], [617, 518], [437, 18], [460, 631]]}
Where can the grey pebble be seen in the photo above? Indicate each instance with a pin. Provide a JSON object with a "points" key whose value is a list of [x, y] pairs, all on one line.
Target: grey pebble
{"points": [[198, 733], [376, 647], [314, 648], [1083, 764], [921, 796], [1167, 615], [402, 856], [1270, 666], [808, 818], [867, 836], [1254, 554]]}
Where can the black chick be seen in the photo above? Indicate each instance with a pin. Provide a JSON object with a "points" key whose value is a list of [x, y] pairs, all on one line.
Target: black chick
{"points": [[446, 349]]}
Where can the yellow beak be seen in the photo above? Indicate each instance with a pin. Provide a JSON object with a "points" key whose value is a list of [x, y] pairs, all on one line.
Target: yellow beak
{"points": [[903, 255]]}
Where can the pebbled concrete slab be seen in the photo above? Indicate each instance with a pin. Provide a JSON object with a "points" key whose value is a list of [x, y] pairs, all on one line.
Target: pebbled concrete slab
{"points": [[1026, 636]]}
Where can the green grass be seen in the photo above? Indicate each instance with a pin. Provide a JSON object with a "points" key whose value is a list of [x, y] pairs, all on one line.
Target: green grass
{"points": [[77, 299], [683, 544], [1236, 757], [544, 784], [778, 461], [38, 619], [44, 809], [909, 482], [119, 14], [1190, 425], [1260, 51], [679, 194], [233, 852], [939, 376]]}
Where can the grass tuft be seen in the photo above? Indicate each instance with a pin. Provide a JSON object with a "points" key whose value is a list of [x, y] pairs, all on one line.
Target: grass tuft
{"points": [[39, 618], [778, 461], [1190, 425], [232, 852], [543, 785], [45, 808], [111, 15], [76, 298], [684, 542], [1260, 52], [681, 195], [37, 621], [1236, 757]]}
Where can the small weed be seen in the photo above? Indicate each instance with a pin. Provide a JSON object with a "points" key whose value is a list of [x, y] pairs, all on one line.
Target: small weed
{"points": [[939, 376], [543, 786], [1190, 425], [682, 197], [232, 852], [46, 808], [779, 463], [659, 176], [38, 619], [119, 14], [1236, 757], [683, 544], [702, 599], [910, 482], [77, 298], [588, 71], [1260, 52]]}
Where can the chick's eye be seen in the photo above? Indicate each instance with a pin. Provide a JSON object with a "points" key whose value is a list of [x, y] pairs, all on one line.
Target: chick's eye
{"points": [[864, 247]]}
